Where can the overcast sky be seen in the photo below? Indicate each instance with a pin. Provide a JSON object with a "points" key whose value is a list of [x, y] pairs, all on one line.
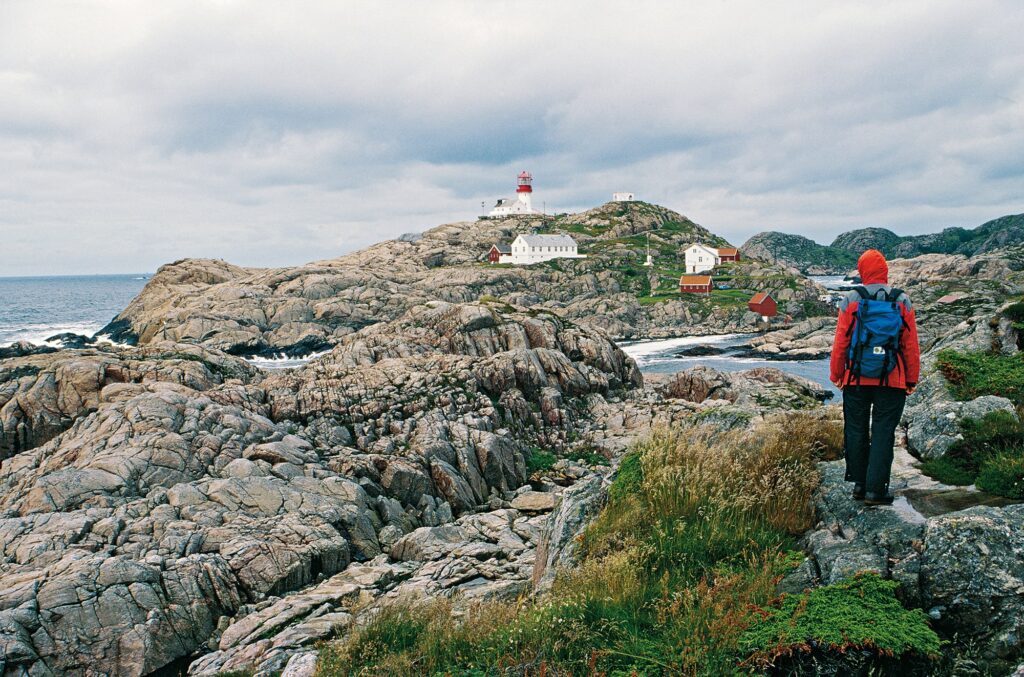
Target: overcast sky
{"points": [[273, 133]]}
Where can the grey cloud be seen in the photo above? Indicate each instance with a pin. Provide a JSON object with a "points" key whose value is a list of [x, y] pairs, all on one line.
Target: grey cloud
{"points": [[267, 133]]}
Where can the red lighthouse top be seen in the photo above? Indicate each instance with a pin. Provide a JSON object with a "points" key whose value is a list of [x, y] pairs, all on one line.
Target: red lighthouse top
{"points": [[524, 182]]}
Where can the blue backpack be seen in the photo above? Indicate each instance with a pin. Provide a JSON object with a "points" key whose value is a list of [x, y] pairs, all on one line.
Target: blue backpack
{"points": [[875, 336]]}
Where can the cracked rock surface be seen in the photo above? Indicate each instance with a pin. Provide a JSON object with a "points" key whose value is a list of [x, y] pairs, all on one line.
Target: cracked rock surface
{"points": [[170, 501]]}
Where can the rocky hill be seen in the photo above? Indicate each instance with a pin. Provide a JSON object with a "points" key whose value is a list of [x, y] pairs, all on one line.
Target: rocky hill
{"points": [[840, 257], [988, 237], [311, 307], [796, 251]]}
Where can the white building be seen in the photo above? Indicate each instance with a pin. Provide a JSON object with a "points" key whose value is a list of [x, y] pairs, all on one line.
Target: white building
{"points": [[523, 202], [527, 249], [623, 197], [700, 259]]}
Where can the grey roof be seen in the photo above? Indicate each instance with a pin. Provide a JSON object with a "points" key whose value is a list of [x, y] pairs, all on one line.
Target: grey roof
{"points": [[549, 240], [503, 248]]}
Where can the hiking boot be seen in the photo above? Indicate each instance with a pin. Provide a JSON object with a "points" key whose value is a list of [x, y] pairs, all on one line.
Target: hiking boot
{"points": [[858, 492], [871, 498]]}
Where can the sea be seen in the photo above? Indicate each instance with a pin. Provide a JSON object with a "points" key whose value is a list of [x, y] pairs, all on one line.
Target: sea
{"points": [[35, 308], [661, 357]]}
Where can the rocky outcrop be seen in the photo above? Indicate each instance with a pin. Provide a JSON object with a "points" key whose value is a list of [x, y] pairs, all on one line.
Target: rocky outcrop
{"points": [[183, 488], [576, 509], [990, 236], [312, 307], [965, 566], [755, 388], [933, 426], [808, 340], [488, 555], [801, 253], [856, 242], [43, 393]]}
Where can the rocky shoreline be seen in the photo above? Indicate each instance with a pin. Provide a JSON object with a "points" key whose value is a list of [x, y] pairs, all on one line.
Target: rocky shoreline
{"points": [[169, 504]]}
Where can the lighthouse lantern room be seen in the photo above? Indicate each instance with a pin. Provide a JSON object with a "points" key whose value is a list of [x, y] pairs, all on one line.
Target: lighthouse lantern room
{"points": [[523, 204]]}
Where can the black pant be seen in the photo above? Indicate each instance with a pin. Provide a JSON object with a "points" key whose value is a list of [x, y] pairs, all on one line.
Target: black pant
{"points": [[871, 414]]}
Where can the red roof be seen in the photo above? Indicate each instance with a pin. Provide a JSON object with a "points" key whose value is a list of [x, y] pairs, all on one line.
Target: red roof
{"points": [[760, 297], [702, 280], [727, 251]]}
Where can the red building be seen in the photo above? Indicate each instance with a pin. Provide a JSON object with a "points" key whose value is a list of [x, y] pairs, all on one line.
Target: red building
{"points": [[695, 284], [728, 254], [763, 304], [497, 251]]}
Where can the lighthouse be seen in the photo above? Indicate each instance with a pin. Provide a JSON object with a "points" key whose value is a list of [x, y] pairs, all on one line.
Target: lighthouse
{"points": [[523, 202], [524, 190]]}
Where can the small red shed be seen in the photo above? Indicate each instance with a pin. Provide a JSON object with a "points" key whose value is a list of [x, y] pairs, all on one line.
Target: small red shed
{"points": [[695, 284], [728, 254], [497, 251], [763, 304]]}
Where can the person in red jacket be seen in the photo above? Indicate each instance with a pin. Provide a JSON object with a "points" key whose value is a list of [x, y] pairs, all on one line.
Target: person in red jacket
{"points": [[872, 407]]}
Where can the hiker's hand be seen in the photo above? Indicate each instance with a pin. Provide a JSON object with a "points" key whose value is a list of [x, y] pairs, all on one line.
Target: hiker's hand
{"points": [[911, 389], [838, 384]]}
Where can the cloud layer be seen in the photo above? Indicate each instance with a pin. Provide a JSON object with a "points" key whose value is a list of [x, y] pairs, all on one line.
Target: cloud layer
{"points": [[268, 133]]}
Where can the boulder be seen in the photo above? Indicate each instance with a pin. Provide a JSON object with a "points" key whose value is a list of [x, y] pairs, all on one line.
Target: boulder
{"points": [[933, 426], [972, 577], [534, 501], [574, 510]]}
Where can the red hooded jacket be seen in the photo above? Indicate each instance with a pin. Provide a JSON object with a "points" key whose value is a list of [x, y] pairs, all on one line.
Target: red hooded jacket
{"points": [[873, 269]]}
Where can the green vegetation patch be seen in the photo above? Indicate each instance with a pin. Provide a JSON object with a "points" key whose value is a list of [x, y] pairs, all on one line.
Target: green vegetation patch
{"points": [[858, 614], [697, 531], [973, 374], [539, 460], [1015, 313], [990, 455]]}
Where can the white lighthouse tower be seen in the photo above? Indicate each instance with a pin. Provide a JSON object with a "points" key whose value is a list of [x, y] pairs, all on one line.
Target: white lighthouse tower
{"points": [[524, 190], [523, 204]]}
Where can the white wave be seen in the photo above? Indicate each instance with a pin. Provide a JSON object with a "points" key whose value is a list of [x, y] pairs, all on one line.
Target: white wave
{"points": [[646, 351], [271, 363], [38, 333]]}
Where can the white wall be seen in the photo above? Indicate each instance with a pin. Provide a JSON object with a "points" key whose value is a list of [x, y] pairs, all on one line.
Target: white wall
{"points": [[701, 259], [524, 254]]}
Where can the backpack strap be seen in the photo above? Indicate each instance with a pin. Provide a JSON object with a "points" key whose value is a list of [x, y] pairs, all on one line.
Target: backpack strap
{"points": [[894, 294], [863, 291]]}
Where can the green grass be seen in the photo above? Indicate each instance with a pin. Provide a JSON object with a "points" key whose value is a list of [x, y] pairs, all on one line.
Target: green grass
{"points": [[540, 460], [1015, 313], [858, 614], [677, 576], [991, 455], [587, 455], [1003, 474], [973, 374]]}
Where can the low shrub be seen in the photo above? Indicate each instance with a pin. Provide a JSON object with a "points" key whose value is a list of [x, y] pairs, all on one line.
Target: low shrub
{"points": [[971, 375], [587, 455], [949, 471], [991, 455], [1015, 313], [856, 622], [1003, 475], [538, 460]]}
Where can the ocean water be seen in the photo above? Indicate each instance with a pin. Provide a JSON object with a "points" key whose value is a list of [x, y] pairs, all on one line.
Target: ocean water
{"points": [[659, 357], [35, 308]]}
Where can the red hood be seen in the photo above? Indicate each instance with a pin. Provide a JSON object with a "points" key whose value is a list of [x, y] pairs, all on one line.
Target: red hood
{"points": [[872, 268]]}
